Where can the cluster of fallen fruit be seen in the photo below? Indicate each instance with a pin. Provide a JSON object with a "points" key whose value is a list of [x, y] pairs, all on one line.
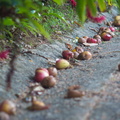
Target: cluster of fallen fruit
{"points": [[47, 76]]}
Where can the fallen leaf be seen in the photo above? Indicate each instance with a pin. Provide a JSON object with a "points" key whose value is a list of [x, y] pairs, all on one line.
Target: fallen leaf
{"points": [[68, 46], [74, 92], [90, 44], [38, 105], [31, 60]]}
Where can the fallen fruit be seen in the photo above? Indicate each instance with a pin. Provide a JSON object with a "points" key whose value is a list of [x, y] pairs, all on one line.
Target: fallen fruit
{"points": [[117, 17], [48, 82], [4, 116], [8, 107], [116, 21], [76, 55], [112, 29], [52, 71], [97, 36], [81, 40], [39, 69], [86, 55], [67, 54], [106, 36], [62, 64], [73, 92], [38, 105], [79, 49], [40, 75], [91, 40]]}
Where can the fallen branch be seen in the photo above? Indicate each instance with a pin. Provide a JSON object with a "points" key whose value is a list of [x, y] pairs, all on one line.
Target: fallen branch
{"points": [[110, 52], [77, 23], [93, 29], [11, 72], [49, 59], [106, 53]]}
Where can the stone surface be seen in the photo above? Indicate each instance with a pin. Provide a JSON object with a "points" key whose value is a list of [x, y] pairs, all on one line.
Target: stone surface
{"points": [[98, 77]]}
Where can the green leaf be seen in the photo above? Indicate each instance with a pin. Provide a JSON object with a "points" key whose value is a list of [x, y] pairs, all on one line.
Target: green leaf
{"points": [[109, 2], [59, 2], [81, 10], [7, 31], [92, 6], [102, 5], [58, 16], [39, 27], [118, 2], [8, 21]]}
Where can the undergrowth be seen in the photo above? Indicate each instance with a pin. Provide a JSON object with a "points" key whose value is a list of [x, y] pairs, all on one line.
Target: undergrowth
{"points": [[53, 18]]}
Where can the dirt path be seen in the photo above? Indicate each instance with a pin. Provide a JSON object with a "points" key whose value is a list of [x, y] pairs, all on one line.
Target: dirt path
{"points": [[98, 77]]}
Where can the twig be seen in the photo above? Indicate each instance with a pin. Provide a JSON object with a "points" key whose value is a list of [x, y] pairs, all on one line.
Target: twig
{"points": [[49, 59], [93, 29], [77, 23], [11, 72], [69, 37], [106, 53], [110, 52]]}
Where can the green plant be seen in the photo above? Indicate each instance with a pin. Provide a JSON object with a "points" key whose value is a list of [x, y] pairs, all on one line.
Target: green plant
{"points": [[35, 17], [93, 6]]}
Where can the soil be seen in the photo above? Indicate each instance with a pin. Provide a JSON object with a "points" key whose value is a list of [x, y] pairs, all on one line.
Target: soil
{"points": [[99, 78]]}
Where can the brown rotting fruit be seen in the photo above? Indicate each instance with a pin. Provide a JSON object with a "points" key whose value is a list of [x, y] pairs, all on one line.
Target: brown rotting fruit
{"points": [[86, 55], [49, 82]]}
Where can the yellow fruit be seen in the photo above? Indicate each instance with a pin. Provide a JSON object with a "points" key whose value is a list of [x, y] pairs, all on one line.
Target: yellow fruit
{"points": [[8, 107], [62, 64]]}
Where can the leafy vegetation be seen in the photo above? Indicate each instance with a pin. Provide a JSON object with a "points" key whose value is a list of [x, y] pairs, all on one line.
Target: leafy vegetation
{"points": [[36, 16]]}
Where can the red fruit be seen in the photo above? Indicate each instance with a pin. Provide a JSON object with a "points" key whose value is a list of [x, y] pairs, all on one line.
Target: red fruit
{"points": [[99, 40], [106, 36], [67, 54], [39, 76], [112, 29], [91, 40]]}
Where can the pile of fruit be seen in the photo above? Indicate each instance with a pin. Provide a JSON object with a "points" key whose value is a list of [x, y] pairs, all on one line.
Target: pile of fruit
{"points": [[104, 34]]}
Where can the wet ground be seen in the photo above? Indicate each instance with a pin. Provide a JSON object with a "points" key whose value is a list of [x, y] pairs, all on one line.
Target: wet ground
{"points": [[98, 77]]}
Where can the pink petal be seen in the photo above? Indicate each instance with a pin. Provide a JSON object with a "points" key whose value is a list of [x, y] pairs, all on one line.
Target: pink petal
{"points": [[4, 54]]}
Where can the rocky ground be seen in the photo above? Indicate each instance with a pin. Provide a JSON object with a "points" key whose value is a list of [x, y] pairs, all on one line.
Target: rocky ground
{"points": [[98, 77]]}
